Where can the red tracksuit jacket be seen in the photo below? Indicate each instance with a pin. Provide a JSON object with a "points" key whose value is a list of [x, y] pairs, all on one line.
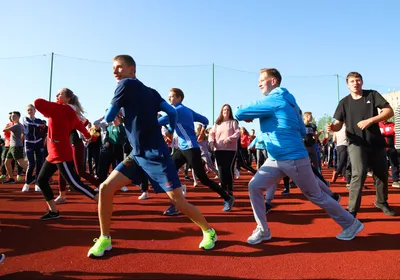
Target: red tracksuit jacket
{"points": [[62, 120]]}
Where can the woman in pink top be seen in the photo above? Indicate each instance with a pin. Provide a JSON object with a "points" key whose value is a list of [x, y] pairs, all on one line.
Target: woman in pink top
{"points": [[223, 140]]}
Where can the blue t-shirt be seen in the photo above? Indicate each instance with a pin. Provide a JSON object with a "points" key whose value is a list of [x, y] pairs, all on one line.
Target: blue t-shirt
{"points": [[140, 105], [187, 138]]}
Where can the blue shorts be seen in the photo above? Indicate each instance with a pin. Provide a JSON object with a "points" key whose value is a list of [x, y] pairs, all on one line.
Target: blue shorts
{"points": [[157, 164]]}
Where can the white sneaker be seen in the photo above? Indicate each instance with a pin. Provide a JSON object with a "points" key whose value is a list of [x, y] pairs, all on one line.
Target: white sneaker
{"points": [[237, 173], [25, 188], [124, 189], [351, 232], [184, 190], [258, 236], [144, 195], [37, 189], [195, 184]]}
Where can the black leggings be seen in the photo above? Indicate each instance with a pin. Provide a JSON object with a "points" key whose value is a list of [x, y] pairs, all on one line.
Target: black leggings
{"points": [[193, 158], [68, 172], [243, 160], [226, 163]]}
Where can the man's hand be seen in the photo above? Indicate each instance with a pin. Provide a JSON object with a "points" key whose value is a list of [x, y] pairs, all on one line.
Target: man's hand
{"points": [[212, 147], [364, 124], [106, 144], [329, 127], [168, 137], [226, 141]]}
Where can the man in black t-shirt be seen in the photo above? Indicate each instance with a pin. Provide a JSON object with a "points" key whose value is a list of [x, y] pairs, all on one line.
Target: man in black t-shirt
{"points": [[366, 148]]}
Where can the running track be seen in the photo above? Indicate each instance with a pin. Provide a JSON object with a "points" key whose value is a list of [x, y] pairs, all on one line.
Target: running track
{"points": [[148, 245]]}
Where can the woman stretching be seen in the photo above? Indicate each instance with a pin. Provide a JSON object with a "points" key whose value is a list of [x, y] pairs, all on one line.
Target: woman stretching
{"points": [[62, 120], [66, 96]]}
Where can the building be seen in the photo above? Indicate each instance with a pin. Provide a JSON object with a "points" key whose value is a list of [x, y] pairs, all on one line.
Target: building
{"points": [[394, 100]]}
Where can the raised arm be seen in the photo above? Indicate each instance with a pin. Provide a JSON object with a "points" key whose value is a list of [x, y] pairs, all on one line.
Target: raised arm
{"points": [[46, 108]]}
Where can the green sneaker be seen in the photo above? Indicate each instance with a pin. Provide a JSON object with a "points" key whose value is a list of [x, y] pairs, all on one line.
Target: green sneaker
{"points": [[19, 178], [209, 239], [101, 245]]}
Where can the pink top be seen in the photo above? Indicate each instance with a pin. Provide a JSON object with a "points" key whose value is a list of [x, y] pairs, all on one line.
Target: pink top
{"points": [[225, 135]]}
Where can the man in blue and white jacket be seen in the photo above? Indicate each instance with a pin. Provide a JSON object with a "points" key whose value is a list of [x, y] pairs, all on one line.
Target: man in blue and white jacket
{"points": [[283, 130], [189, 149]]}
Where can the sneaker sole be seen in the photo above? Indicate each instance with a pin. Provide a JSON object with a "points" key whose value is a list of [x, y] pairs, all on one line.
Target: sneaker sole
{"points": [[215, 240], [360, 228], [60, 202], [172, 214], [52, 218], [260, 240], [107, 249]]}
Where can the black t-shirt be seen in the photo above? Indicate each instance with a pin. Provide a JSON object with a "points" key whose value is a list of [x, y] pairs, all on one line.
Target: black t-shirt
{"points": [[351, 111], [309, 139]]}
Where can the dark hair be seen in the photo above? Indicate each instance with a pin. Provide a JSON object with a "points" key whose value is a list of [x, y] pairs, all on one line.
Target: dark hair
{"points": [[353, 75], [16, 113], [220, 118], [272, 72], [178, 93]]}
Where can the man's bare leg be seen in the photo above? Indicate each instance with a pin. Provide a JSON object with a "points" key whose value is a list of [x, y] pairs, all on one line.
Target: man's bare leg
{"points": [[114, 182], [188, 209]]}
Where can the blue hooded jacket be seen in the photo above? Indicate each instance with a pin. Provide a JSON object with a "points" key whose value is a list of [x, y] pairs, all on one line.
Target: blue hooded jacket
{"points": [[280, 122]]}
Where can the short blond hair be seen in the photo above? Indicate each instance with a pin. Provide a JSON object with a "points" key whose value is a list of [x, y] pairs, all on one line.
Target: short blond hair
{"points": [[272, 72]]}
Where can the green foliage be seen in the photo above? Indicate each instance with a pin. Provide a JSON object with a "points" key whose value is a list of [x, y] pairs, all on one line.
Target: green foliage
{"points": [[322, 122]]}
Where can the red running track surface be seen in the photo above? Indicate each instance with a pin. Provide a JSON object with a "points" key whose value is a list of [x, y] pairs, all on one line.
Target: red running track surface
{"points": [[148, 245]]}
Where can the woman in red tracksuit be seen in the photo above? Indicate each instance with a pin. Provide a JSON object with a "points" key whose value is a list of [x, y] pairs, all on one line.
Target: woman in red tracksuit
{"points": [[243, 154], [62, 120], [68, 97]]}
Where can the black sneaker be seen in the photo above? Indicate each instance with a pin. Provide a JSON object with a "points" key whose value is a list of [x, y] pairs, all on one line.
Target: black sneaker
{"points": [[336, 197], [9, 181], [50, 216], [385, 208], [268, 207], [292, 185], [286, 192], [187, 178]]}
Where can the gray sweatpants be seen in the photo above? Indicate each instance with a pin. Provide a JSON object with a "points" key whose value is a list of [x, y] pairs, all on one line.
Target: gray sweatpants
{"points": [[300, 171], [269, 196]]}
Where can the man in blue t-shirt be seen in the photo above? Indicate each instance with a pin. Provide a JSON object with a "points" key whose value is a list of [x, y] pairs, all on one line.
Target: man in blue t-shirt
{"points": [[189, 149], [140, 105]]}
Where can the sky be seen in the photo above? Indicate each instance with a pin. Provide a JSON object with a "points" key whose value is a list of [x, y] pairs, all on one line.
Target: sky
{"points": [[211, 49]]}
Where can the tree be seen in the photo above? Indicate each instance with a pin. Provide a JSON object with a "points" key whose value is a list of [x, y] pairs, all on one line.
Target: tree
{"points": [[322, 122]]}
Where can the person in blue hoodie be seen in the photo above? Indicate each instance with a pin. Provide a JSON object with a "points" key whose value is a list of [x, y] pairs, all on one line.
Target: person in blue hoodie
{"points": [[189, 149], [283, 130], [261, 151]]}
